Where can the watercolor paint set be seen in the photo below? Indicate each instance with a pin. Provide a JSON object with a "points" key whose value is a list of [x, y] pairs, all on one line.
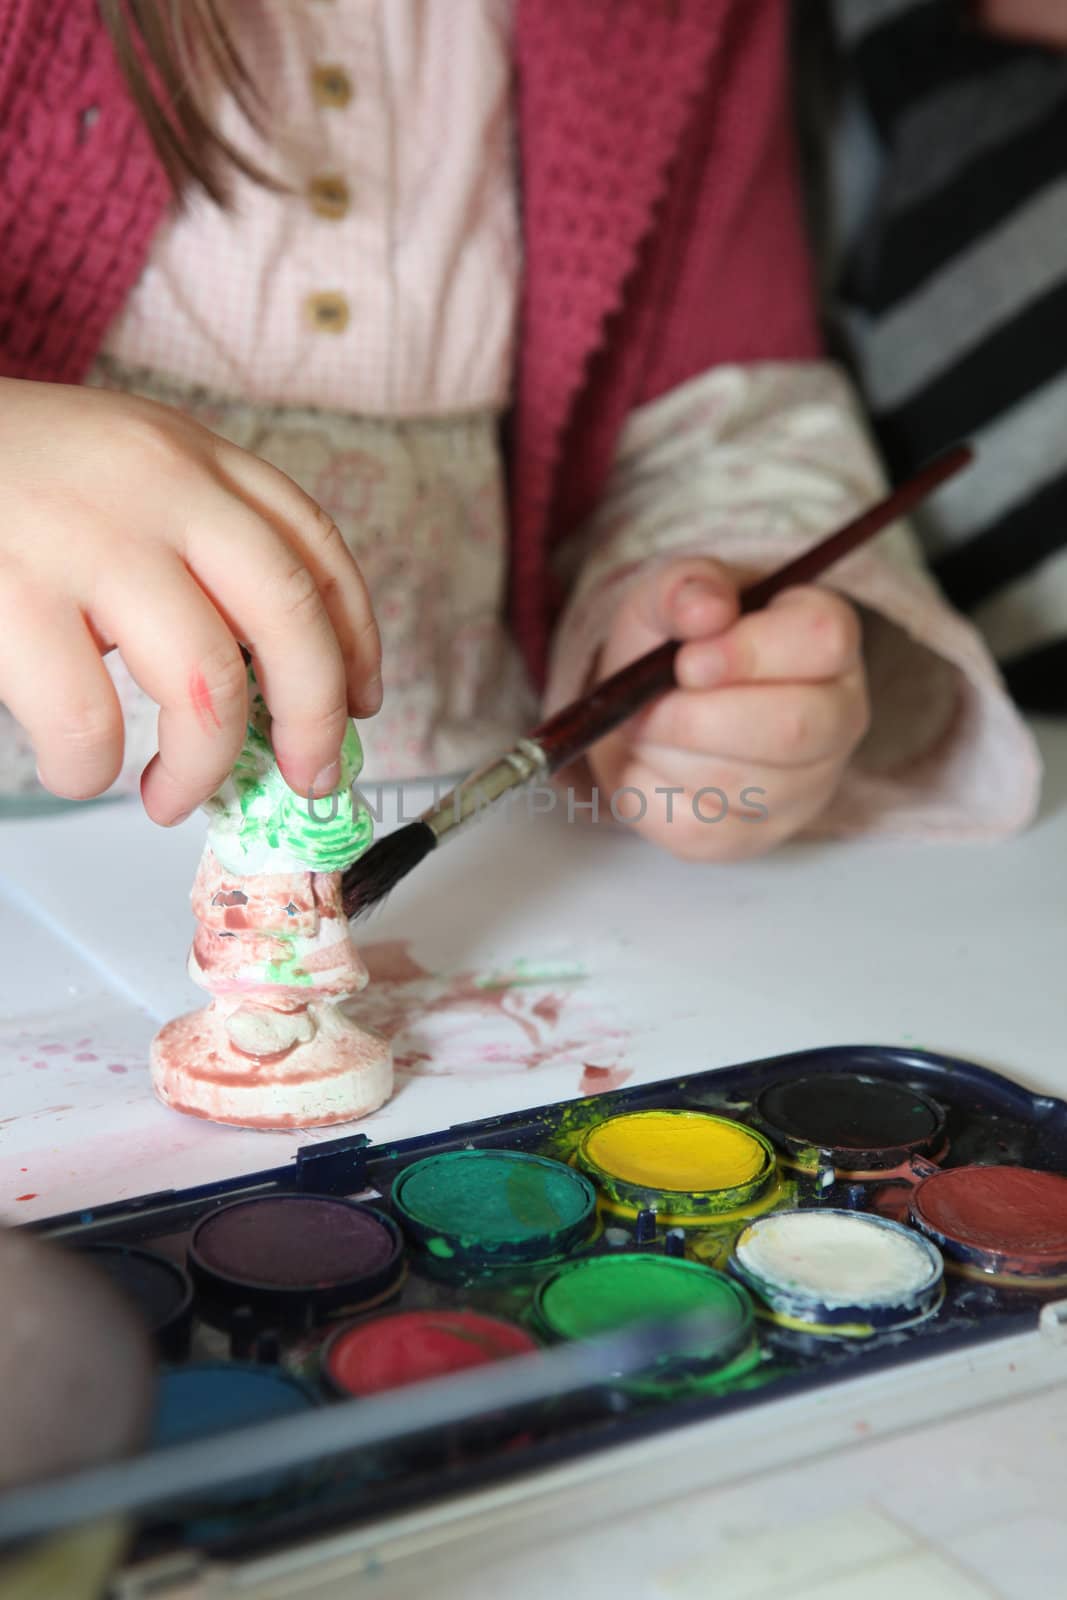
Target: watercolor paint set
{"points": [[806, 1218]]}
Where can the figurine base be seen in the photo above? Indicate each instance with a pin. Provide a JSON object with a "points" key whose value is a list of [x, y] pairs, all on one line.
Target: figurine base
{"points": [[333, 1071]]}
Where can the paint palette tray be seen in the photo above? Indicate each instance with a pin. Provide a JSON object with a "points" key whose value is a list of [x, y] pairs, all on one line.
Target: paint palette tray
{"points": [[815, 1217]]}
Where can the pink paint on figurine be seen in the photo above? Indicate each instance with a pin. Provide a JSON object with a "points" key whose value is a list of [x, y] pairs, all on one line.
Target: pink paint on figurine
{"points": [[275, 1048]]}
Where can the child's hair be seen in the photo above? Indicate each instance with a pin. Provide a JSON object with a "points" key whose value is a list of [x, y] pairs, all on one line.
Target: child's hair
{"points": [[169, 51]]}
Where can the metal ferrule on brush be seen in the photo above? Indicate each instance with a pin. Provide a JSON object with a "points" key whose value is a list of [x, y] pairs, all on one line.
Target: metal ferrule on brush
{"points": [[523, 764]]}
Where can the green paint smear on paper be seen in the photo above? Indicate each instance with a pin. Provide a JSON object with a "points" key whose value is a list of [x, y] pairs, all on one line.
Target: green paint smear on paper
{"points": [[521, 973], [255, 811], [491, 1199]]}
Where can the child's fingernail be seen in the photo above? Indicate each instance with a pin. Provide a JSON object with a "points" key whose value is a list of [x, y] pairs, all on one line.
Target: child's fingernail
{"points": [[701, 669], [695, 592], [370, 699], [327, 780], [183, 816]]}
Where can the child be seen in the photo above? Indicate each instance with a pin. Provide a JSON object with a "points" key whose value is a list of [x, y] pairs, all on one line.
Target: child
{"points": [[954, 286], [357, 319]]}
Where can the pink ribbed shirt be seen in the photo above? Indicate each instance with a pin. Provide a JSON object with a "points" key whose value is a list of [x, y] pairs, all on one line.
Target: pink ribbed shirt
{"points": [[384, 280]]}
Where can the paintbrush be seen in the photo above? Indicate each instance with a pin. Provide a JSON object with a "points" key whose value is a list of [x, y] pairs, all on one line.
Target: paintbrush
{"points": [[572, 731]]}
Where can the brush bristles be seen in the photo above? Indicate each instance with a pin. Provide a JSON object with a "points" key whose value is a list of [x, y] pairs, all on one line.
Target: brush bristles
{"points": [[379, 869]]}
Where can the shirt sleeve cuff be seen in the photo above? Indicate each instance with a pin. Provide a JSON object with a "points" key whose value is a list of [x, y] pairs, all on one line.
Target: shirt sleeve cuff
{"points": [[752, 466]]}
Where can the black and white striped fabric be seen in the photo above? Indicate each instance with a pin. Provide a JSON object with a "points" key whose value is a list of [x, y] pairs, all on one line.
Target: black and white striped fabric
{"points": [[954, 292]]}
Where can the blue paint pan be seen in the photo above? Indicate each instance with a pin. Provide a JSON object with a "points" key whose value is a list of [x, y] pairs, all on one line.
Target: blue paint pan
{"points": [[206, 1399]]}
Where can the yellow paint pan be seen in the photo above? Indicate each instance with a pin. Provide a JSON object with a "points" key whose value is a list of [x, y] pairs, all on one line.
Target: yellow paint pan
{"points": [[687, 1166]]}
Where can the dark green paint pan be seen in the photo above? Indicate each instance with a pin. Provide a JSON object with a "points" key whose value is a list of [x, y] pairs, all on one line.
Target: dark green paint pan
{"points": [[494, 1208], [866, 1125]]}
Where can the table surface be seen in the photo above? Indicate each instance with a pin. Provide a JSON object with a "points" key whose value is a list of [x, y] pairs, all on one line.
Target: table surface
{"points": [[535, 960]]}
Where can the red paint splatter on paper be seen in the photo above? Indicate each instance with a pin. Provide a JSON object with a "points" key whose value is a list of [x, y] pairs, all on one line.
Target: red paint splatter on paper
{"points": [[201, 701], [391, 961], [86, 1055], [597, 1080], [472, 1023], [25, 1197], [53, 1049], [117, 1067]]}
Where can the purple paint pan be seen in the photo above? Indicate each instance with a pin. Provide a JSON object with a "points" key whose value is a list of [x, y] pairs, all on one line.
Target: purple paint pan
{"points": [[296, 1257]]}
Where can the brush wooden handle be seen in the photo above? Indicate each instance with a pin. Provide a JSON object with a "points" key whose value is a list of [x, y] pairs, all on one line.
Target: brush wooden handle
{"points": [[609, 703]]}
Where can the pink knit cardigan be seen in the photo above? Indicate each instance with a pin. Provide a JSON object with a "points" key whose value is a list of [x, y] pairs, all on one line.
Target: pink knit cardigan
{"points": [[662, 232]]}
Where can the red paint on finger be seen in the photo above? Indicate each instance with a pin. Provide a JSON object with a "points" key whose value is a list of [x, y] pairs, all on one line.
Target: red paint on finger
{"points": [[201, 701]]}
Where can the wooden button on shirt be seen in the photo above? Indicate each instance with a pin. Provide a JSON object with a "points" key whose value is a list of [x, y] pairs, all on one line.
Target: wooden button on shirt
{"points": [[328, 312], [328, 195], [402, 243], [331, 86]]}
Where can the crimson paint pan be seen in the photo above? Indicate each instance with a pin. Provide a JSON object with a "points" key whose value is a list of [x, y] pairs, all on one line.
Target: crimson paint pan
{"points": [[866, 1125], [401, 1347], [494, 1208], [390, 1351], [1000, 1224], [296, 1257], [161, 1291]]}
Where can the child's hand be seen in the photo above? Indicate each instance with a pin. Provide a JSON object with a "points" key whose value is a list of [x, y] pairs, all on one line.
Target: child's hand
{"points": [[774, 702], [1032, 21], [124, 524]]}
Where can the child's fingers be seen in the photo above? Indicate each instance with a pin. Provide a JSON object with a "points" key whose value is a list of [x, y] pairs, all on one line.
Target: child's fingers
{"points": [[708, 810], [319, 542], [55, 684], [780, 725], [186, 659], [684, 599], [273, 604], [805, 635]]}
